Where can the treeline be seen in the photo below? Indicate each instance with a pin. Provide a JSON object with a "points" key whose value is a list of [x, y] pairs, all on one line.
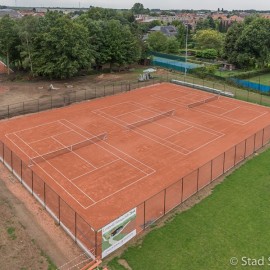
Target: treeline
{"points": [[57, 46], [247, 44]]}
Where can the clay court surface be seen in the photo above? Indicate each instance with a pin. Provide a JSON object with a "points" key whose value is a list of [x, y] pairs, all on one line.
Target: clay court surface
{"points": [[116, 152]]}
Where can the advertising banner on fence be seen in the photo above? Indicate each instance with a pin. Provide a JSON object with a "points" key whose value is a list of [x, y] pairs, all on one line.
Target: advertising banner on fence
{"points": [[118, 232]]}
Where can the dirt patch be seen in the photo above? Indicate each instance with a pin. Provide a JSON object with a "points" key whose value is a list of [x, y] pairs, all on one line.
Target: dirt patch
{"points": [[27, 232], [25, 90], [124, 263], [109, 77], [3, 89]]}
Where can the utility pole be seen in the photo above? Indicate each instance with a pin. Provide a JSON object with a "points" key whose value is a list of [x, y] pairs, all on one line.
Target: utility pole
{"points": [[186, 49]]}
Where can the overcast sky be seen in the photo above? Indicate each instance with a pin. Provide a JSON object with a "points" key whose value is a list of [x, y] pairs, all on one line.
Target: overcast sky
{"points": [[167, 4]]}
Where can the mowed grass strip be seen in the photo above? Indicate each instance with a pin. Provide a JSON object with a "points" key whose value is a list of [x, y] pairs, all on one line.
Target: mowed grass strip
{"points": [[234, 221], [261, 79]]}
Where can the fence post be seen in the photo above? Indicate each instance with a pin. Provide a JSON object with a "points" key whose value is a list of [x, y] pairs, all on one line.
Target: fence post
{"points": [[59, 210], [234, 155], [254, 142], [75, 221], [8, 111], [211, 170], [198, 174], [182, 189], [165, 192], [263, 138], [224, 156], [44, 198], [21, 171], [245, 149], [11, 161], [32, 183], [144, 225], [96, 244]]}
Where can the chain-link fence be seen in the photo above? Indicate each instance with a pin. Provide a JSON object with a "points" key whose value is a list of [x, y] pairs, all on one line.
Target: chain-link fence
{"points": [[62, 100], [147, 212]]}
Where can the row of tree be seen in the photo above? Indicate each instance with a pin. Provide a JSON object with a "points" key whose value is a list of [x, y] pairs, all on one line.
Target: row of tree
{"points": [[57, 46], [247, 44]]}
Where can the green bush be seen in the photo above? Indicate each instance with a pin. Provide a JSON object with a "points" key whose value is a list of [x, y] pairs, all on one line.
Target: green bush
{"points": [[207, 54]]}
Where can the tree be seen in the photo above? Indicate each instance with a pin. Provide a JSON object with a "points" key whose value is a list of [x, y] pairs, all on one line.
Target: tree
{"points": [[157, 42], [138, 8], [181, 35], [248, 44], [209, 39], [27, 29], [212, 23], [8, 39], [172, 45], [202, 24], [255, 41], [230, 49], [113, 43], [61, 47]]}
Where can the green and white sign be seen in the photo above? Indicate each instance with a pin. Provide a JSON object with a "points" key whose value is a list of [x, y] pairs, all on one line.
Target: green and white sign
{"points": [[118, 232]]}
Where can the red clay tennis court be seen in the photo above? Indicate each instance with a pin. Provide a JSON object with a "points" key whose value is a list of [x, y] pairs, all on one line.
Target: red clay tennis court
{"points": [[107, 169]]}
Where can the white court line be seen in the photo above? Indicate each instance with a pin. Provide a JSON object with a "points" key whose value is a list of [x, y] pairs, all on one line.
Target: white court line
{"points": [[132, 112], [120, 152], [189, 151], [112, 194], [91, 135], [47, 173], [49, 136], [47, 161], [21, 130], [235, 121], [76, 154], [179, 132], [73, 129], [115, 105], [229, 120], [101, 167], [256, 117], [230, 111], [183, 121], [188, 123], [115, 120]]}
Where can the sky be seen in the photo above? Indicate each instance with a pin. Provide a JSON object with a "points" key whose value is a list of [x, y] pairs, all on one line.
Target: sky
{"points": [[168, 4]]}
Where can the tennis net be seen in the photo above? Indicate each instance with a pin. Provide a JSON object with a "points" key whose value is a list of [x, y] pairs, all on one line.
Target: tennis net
{"points": [[198, 103], [67, 149], [150, 119]]}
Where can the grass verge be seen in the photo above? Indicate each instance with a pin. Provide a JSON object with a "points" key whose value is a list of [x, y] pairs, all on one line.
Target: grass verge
{"points": [[233, 221]]}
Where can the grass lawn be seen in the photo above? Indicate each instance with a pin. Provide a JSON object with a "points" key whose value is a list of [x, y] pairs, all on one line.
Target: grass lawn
{"points": [[229, 73], [234, 221], [262, 79]]}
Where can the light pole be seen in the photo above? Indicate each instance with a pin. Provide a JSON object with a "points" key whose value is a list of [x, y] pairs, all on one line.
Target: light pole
{"points": [[186, 25]]}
